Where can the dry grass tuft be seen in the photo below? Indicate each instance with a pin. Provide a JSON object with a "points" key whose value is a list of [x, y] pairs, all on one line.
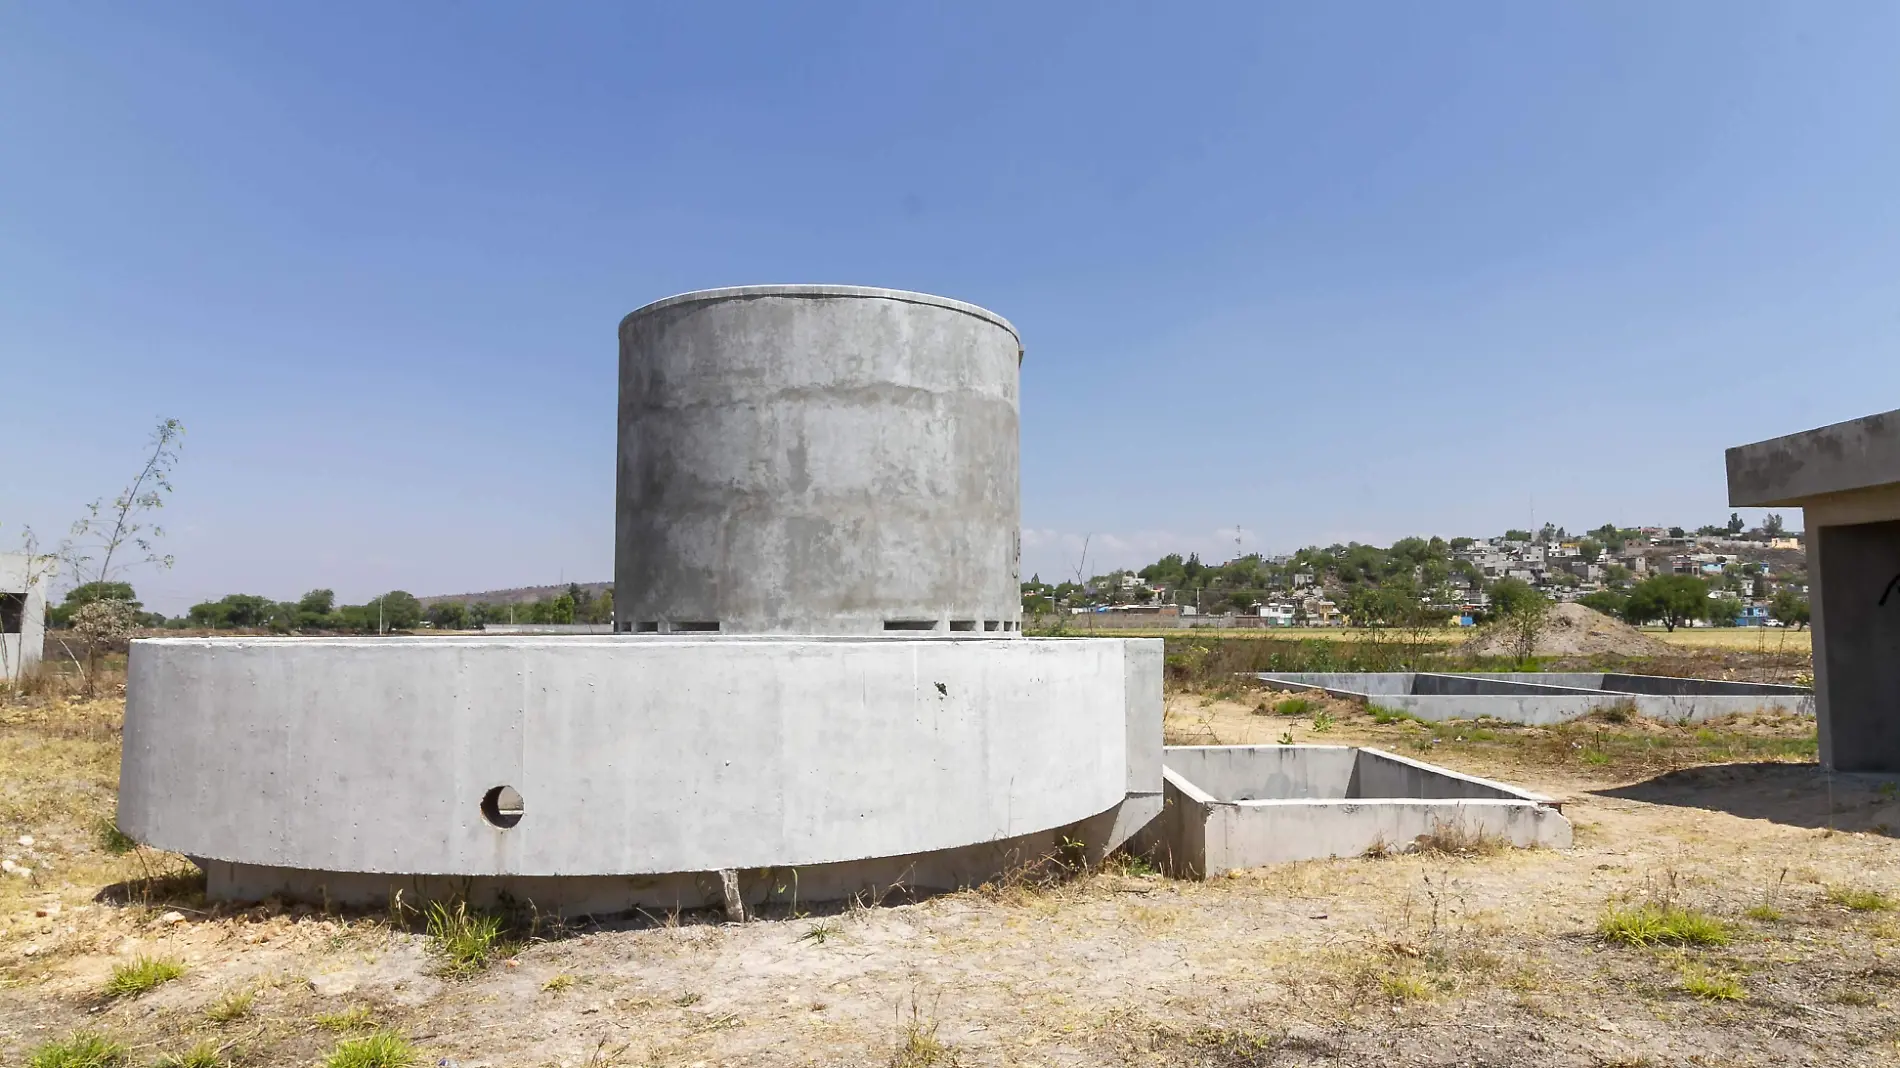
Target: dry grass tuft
{"points": [[1662, 925], [1859, 900], [141, 976], [384, 1049], [78, 1050], [1710, 984]]}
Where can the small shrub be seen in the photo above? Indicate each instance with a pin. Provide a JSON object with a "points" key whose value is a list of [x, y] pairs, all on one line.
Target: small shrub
{"points": [[1400, 986], [1294, 706], [558, 984], [141, 976], [1711, 985], [1458, 840], [1763, 913], [1662, 925], [1323, 722], [1286, 737], [1859, 900], [354, 1018], [1621, 712], [819, 933], [78, 1050], [231, 1007], [202, 1055], [467, 940], [1595, 757], [384, 1049], [1382, 714], [108, 837]]}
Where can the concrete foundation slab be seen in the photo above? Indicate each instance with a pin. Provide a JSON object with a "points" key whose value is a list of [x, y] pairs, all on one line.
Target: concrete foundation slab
{"points": [[1241, 806], [1543, 698]]}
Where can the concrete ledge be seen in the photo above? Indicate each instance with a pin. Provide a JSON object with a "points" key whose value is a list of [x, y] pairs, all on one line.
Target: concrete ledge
{"points": [[1859, 454], [634, 756]]}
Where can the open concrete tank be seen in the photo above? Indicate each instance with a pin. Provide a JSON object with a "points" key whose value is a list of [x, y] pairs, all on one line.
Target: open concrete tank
{"points": [[817, 460], [808, 697]]}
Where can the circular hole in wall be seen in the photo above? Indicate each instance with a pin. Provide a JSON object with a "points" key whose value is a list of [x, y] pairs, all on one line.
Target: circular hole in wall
{"points": [[502, 806]]}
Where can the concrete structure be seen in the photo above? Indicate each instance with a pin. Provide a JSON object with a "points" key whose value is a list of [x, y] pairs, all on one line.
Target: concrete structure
{"points": [[817, 460], [629, 757], [1241, 806], [1543, 698], [1846, 480], [22, 611], [821, 687]]}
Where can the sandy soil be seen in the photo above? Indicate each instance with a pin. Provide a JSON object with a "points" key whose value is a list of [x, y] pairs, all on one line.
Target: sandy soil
{"points": [[1420, 959]]}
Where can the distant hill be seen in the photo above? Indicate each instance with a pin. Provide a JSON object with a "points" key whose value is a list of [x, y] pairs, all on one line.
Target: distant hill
{"points": [[518, 595]]}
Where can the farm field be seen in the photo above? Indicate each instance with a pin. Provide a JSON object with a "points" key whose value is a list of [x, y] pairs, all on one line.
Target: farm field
{"points": [[1786, 881]]}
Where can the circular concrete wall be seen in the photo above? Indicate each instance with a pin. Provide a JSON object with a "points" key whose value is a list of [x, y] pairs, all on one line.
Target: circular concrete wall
{"points": [[623, 755], [817, 460]]}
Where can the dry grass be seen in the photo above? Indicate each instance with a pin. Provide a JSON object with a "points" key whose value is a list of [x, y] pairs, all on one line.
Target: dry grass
{"points": [[1651, 924]]}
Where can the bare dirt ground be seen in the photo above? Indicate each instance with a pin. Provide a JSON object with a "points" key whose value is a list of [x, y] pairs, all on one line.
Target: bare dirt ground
{"points": [[1484, 958]]}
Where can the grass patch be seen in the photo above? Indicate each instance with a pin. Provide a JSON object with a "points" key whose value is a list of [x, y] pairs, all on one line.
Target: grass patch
{"points": [[202, 1055], [1293, 706], [384, 1049], [78, 1050], [466, 940], [110, 839], [820, 933], [1711, 985], [354, 1018], [1323, 722], [1459, 840], [558, 984], [1662, 925], [1859, 900], [1763, 913], [1401, 986], [142, 976], [1382, 714], [231, 1007]]}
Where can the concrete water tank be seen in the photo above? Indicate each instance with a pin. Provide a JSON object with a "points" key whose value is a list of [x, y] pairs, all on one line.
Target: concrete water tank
{"points": [[817, 459]]}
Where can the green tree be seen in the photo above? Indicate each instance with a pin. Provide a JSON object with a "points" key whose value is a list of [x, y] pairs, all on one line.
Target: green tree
{"points": [[449, 615], [1772, 526], [1673, 599], [1609, 602], [1724, 611], [1517, 535], [1509, 595], [1590, 549], [401, 610], [1789, 608], [1735, 524]]}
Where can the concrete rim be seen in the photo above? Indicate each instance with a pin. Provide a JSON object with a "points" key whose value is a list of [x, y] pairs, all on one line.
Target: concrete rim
{"points": [[705, 296]]}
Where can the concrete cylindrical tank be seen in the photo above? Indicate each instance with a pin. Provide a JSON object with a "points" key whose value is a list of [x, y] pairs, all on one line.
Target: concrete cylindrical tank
{"points": [[817, 460]]}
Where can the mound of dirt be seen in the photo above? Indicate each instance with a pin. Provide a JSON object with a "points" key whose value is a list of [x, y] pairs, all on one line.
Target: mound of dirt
{"points": [[1573, 630]]}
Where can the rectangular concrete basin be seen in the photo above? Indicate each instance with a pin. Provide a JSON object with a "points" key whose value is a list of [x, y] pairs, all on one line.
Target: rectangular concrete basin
{"points": [[1240, 806]]}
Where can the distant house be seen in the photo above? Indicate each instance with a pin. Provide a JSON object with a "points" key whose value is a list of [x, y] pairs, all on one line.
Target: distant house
{"points": [[1784, 543], [1277, 614]]}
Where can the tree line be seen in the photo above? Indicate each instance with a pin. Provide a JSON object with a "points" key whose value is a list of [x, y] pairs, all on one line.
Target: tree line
{"points": [[318, 612]]}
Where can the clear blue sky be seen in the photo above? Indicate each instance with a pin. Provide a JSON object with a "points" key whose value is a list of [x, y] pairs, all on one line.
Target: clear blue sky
{"points": [[1321, 271]]}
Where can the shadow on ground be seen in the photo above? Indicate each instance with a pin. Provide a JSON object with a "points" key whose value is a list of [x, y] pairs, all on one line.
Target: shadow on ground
{"points": [[1800, 795]]}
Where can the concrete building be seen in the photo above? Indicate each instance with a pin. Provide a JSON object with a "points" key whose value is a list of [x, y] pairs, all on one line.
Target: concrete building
{"points": [[819, 689], [1846, 480], [22, 611]]}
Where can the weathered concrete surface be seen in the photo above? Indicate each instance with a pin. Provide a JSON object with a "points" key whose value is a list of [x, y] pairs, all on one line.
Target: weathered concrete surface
{"points": [[1541, 699], [1859, 454], [1387, 801], [817, 459], [23, 616], [1846, 479], [634, 755]]}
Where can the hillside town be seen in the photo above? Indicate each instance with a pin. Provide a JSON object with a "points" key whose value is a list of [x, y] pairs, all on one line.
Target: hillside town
{"points": [[1749, 577]]}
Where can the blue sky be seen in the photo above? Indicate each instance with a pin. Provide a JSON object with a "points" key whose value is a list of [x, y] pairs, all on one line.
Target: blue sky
{"points": [[1321, 272]]}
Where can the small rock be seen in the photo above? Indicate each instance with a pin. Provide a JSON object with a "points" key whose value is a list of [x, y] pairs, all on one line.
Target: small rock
{"points": [[7, 865], [26, 840], [170, 918], [24, 873], [330, 986], [30, 951]]}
